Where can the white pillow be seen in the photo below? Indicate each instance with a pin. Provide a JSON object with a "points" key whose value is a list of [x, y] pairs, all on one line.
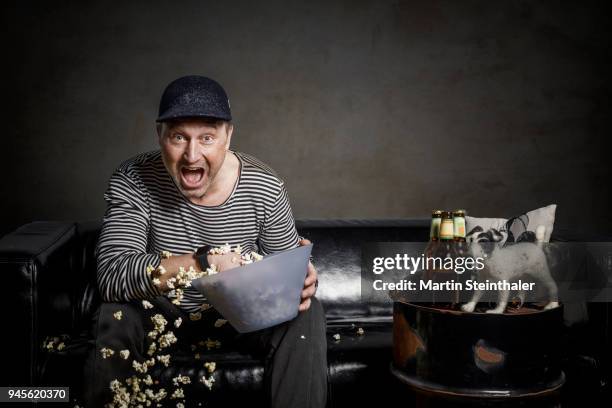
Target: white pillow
{"points": [[525, 222]]}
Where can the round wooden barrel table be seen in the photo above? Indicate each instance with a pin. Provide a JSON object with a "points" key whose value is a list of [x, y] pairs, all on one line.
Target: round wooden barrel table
{"points": [[454, 355]]}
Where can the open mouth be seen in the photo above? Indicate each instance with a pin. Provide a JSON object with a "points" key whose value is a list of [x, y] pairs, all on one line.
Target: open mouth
{"points": [[192, 176]]}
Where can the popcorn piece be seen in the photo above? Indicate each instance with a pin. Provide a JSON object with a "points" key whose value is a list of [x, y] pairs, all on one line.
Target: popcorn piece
{"points": [[181, 379], [160, 270], [118, 314], [195, 316], [147, 305], [114, 385], [360, 332], [178, 293], [208, 381], [150, 269], [164, 359], [140, 367], [49, 344], [336, 337], [124, 354], [180, 405], [256, 256], [220, 322], [209, 344], [106, 352], [148, 380], [210, 366], [170, 283], [160, 395], [166, 254], [177, 322], [205, 306], [152, 348], [196, 356], [238, 249], [156, 282], [178, 394], [153, 334], [302, 337], [60, 346], [160, 322], [165, 340], [222, 250], [212, 270]]}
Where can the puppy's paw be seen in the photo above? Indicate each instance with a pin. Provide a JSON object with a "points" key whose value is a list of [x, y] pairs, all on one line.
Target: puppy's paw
{"points": [[468, 307], [551, 305]]}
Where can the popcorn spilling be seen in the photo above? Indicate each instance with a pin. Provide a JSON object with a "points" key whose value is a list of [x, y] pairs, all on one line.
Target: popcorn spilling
{"points": [[360, 332], [106, 352], [159, 322], [220, 322], [164, 359], [210, 344], [51, 344], [124, 354], [208, 381], [147, 305], [181, 379], [177, 394], [336, 337], [152, 348], [211, 366], [118, 314], [167, 339], [243, 259]]}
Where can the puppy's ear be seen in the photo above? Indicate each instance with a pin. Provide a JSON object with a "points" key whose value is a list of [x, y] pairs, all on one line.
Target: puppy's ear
{"points": [[475, 230], [496, 236], [527, 236]]}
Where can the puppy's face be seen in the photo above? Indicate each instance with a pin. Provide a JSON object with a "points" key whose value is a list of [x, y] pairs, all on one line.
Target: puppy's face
{"points": [[482, 242]]}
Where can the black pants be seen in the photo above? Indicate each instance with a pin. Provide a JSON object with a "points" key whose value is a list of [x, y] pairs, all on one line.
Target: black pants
{"points": [[294, 353]]}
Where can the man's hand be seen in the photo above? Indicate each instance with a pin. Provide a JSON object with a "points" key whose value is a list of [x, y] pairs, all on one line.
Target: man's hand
{"points": [[224, 262], [309, 284]]}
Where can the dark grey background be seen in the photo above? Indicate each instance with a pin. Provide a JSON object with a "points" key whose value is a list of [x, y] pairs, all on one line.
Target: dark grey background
{"points": [[367, 109]]}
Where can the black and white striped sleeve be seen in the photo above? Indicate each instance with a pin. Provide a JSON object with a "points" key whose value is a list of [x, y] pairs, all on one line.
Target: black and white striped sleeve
{"points": [[278, 232], [122, 259]]}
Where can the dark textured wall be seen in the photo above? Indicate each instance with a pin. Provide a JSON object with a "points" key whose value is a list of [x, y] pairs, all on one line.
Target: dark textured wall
{"points": [[366, 108]]}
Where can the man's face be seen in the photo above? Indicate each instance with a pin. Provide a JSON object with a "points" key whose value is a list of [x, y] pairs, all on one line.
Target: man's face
{"points": [[193, 151]]}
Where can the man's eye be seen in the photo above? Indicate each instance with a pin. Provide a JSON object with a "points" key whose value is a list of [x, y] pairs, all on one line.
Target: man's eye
{"points": [[208, 139], [178, 138]]}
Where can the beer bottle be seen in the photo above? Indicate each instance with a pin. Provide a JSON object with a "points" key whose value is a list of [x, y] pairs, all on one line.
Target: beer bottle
{"points": [[444, 251], [459, 232], [460, 249], [434, 241]]}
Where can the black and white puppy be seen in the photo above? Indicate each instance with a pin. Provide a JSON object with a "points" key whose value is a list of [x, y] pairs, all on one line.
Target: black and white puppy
{"points": [[509, 263]]}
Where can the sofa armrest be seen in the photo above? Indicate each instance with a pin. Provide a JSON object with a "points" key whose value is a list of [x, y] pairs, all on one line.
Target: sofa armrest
{"points": [[37, 264]]}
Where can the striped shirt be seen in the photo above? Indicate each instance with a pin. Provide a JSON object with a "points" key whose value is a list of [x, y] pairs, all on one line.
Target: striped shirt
{"points": [[147, 214]]}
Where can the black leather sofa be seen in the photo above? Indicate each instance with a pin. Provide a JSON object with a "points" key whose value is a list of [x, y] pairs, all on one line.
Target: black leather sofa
{"points": [[48, 272]]}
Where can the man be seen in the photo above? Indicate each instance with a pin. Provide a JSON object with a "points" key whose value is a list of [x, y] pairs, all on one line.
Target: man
{"points": [[193, 194]]}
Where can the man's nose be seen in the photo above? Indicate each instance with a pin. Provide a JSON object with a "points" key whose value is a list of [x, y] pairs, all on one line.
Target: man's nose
{"points": [[192, 152]]}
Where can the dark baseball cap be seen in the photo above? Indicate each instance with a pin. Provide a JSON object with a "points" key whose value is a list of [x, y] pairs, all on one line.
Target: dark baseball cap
{"points": [[194, 96]]}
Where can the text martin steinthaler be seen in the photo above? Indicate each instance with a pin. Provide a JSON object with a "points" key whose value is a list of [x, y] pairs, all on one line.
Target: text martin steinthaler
{"points": [[459, 265]]}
